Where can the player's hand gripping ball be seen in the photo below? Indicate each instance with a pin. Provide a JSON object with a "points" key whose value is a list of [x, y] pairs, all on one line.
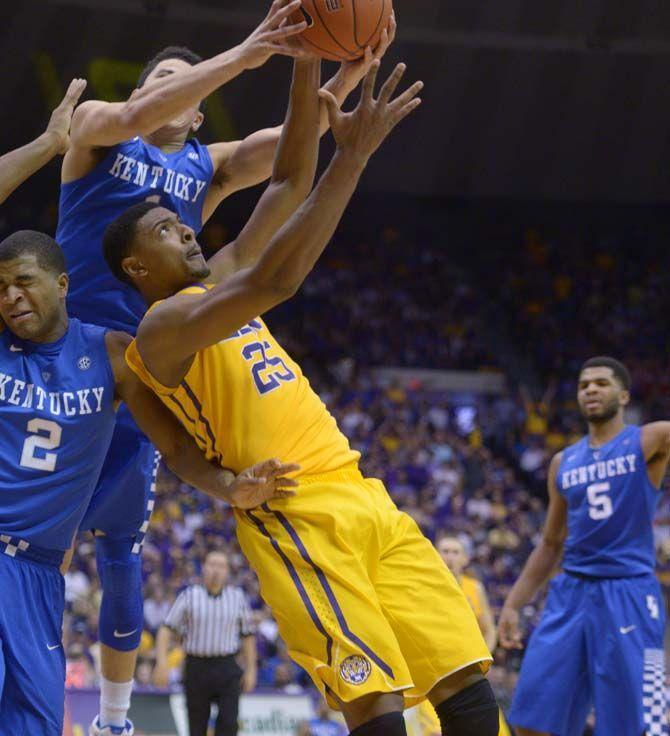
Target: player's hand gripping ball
{"points": [[340, 30]]}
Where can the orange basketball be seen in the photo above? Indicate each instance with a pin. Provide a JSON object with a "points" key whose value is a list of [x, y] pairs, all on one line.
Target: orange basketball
{"points": [[341, 29]]}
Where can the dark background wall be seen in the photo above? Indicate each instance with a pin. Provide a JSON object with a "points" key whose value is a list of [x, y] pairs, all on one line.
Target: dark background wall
{"points": [[559, 99]]}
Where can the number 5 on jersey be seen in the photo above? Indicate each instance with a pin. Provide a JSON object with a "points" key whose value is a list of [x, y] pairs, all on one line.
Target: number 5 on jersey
{"points": [[37, 441], [600, 503]]}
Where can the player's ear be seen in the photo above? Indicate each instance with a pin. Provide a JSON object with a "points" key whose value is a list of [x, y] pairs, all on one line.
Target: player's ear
{"points": [[197, 122], [624, 399], [133, 267], [63, 284]]}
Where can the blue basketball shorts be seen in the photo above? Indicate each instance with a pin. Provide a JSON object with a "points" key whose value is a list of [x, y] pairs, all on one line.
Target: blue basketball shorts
{"points": [[599, 644], [125, 493], [32, 662]]}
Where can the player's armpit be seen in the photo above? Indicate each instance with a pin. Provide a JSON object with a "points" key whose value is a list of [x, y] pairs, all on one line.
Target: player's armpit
{"points": [[171, 334]]}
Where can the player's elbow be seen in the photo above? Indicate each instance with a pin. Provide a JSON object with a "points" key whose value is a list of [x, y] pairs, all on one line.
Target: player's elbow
{"points": [[293, 186]]}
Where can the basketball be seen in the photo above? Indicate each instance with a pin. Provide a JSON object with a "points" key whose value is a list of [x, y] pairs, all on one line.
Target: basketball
{"points": [[340, 30]]}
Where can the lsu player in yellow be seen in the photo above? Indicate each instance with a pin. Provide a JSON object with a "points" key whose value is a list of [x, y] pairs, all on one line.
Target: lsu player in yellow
{"points": [[360, 596]]}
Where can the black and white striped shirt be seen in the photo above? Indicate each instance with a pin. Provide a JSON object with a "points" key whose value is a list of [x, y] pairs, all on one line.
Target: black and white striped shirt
{"points": [[211, 625]]}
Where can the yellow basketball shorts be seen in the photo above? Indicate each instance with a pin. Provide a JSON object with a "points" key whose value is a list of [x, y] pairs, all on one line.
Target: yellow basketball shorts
{"points": [[362, 600]]}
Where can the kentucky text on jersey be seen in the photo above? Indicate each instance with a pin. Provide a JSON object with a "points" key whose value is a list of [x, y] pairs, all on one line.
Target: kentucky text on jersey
{"points": [[598, 471], [611, 504], [131, 172], [158, 177], [69, 403]]}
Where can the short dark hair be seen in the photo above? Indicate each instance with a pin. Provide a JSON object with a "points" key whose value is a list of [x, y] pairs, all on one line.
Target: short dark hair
{"points": [[617, 367], [46, 250], [117, 240], [169, 52]]}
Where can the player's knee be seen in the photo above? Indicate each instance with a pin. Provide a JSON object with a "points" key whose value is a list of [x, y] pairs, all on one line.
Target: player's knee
{"points": [[389, 724], [121, 614], [471, 712]]}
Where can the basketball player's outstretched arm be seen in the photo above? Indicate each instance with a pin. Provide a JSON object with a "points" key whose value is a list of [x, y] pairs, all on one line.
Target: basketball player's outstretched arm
{"points": [[292, 175], [245, 163], [100, 124], [19, 165], [187, 324], [253, 487], [541, 563]]}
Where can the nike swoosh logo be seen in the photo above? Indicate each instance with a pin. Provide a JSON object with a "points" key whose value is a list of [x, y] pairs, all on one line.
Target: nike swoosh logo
{"points": [[51, 648], [15, 349], [123, 636], [627, 629]]}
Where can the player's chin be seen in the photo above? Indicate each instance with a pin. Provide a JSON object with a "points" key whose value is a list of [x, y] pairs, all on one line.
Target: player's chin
{"points": [[198, 268]]}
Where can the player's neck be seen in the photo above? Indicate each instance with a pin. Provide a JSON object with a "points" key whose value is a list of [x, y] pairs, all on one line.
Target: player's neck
{"points": [[601, 433], [168, 142]]}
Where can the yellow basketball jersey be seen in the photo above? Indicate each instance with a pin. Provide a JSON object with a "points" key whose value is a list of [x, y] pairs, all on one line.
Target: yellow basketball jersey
{"points": [[244, 400], [470, 587]]}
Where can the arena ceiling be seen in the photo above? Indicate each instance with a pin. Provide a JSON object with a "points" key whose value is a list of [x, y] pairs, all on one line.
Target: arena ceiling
{"points": [[560, 99]]}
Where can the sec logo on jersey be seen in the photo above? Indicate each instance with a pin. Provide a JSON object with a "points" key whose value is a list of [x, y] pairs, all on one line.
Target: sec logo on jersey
{"points": [[355, 670]]}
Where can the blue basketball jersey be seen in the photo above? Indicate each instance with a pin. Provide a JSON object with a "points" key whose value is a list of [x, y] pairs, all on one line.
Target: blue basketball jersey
{"points": [[611, 505], [56, 422], [131, 172]]}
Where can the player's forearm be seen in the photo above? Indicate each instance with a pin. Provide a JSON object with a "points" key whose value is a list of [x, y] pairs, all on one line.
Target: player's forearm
{"points": [[297, 246], [297, 151], [163, 636], [187, 462], [160, 101], [19, 165], [249, 654], [540, 565]]}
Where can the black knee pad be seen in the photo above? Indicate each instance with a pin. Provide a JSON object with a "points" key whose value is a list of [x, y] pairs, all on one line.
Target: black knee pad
{"points": [[390, 724], [471, 712]]}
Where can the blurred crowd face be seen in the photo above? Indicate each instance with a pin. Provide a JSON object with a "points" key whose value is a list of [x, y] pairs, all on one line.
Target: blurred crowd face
{"points": [[215, 571], [453, 554], [600, 395]]}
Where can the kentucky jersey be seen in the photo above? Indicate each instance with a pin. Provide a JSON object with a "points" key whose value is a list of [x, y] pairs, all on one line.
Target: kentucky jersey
{"points": [[244, 400], [131, 172], [611, 505], [56, 423]]}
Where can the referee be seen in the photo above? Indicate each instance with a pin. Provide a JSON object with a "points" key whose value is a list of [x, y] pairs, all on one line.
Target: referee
{"points": [[214, 621]]}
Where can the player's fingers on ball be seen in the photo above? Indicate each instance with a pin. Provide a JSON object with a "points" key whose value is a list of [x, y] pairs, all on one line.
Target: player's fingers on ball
{"points": [[391, 84], [286, 31], [393, 27], [286, 10], [286, 483]]}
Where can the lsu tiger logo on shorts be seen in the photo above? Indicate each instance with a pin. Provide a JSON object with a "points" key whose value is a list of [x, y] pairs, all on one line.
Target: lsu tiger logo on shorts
{"points": [[355, 670]]}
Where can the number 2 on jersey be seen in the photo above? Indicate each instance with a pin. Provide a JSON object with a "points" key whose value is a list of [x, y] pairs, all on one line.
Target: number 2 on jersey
{"points": [[39, 441], [600, 503]]}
